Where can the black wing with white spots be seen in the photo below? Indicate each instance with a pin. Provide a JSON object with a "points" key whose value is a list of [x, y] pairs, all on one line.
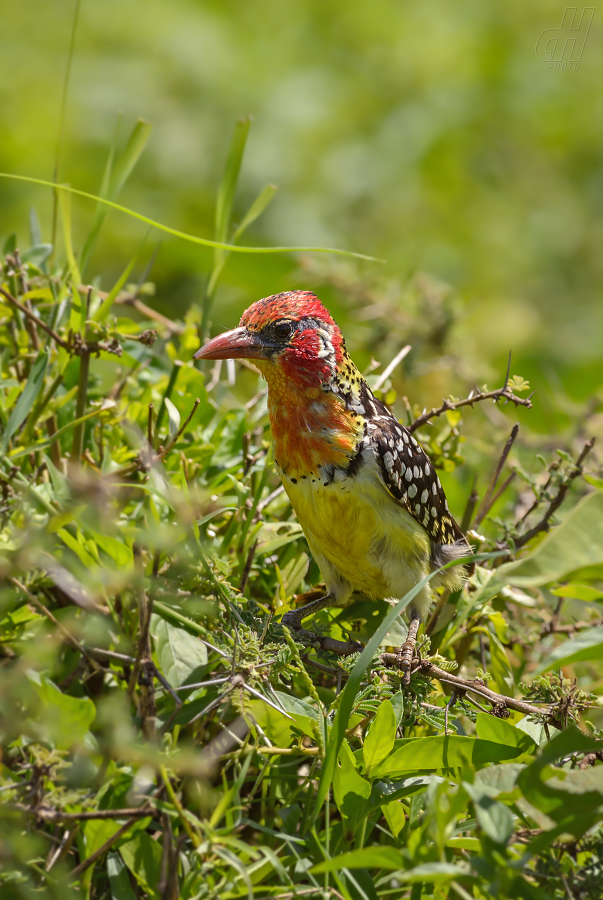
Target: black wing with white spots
{"points": [[408, 474]]}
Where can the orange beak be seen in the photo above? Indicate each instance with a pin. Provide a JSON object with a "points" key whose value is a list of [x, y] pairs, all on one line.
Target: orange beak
{"points": [[236, 344]]}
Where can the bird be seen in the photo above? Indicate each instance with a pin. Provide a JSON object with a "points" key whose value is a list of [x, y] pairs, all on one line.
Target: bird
{"points": [[366, 494]]}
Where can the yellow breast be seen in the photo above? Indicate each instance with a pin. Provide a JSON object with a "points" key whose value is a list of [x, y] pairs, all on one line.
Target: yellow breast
{"points": [[354, 525]]}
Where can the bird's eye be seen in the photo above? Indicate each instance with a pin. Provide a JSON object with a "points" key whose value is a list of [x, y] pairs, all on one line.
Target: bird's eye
{"points": [[282, 330]]}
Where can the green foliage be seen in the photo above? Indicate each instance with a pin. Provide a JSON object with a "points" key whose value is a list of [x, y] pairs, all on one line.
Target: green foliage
{"points": [[158, 722], [162, 735]]}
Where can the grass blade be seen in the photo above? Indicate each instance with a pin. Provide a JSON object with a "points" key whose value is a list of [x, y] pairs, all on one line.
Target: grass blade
{"points": [[340, 722], [194, 239], [256, 209], [105, 308], [27, 398], [113, 181]]}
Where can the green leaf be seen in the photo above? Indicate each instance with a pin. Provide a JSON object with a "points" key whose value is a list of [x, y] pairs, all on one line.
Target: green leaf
{"points": [[350, 789], [381, 736], [572, 799], [518, 384], [66, 719], [444, 752], [342, 716], [491, 728], [180, 655], [493, 817], [142, 855], [394, 816], [119, 883], [374, 857], [587, 645], [119, 552], [500, 667], [173, 418], [575, 544], [26, 399], [585, 592]]}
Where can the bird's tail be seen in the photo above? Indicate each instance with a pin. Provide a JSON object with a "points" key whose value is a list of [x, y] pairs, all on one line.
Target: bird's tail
{"points": [[452, 578]]}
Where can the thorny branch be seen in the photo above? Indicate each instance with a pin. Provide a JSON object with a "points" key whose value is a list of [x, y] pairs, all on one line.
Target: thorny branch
{"points": [[503, 393], [545, 523], [501, 704]]}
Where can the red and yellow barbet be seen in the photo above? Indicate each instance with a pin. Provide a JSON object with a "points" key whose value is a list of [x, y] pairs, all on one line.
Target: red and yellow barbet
{"points": [[366, 494]]}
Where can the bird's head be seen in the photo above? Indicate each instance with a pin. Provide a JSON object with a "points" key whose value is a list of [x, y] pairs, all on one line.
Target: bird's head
{"points": [[290, 334]]}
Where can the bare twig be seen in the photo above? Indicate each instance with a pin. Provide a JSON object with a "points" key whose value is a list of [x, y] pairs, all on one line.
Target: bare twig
{"points": [[33, 318], [503, 393], [143, 653], [180, 431], [390, 368], [47, 814], [500, 702], [487, 502], [544, 523], [79, 870]]}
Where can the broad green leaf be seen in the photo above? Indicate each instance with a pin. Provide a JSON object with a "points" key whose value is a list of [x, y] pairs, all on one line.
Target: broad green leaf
{"points": [[395, 816], [66, 719], [491, 728], [180, 655], [374, 857], [119, 882], [342, 716], [500, 667], [386, 791], [499, 781], [142, 855], [573, 800], [97, 831], [443, 752], [575, 544], [118, 550], [37, 254], [276, 725], [26, 399], [350, 789], [381, 736], [587, 645], [84, 557], [585, 592], [492, 815]]}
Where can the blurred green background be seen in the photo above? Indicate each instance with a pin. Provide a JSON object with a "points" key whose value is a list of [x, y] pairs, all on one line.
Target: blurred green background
{"points": [[428, 134]]}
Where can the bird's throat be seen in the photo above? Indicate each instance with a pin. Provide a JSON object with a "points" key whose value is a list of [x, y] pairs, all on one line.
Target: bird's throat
{"points": [[311, 428]]}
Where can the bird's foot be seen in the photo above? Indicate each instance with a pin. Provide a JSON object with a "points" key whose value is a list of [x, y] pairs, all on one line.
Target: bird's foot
{"points": [[407, 650], [292, 620]]}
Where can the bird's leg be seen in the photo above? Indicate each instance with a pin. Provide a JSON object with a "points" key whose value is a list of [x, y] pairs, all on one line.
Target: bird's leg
{"points": [[293, 620], [408, 647]]}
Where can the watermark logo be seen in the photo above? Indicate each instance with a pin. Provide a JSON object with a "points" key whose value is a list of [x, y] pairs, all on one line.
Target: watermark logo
{"points": [[562, 47]]}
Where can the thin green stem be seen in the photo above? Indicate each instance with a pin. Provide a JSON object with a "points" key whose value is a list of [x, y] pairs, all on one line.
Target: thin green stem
{"points": [[77, 448], [59, 147]]}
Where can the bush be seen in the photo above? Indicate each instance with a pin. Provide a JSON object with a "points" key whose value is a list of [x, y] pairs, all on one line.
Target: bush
{"points": [[162, 734]]}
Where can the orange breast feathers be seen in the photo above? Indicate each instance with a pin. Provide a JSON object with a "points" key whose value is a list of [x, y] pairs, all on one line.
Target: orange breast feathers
{"points": [[310, 428]]}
